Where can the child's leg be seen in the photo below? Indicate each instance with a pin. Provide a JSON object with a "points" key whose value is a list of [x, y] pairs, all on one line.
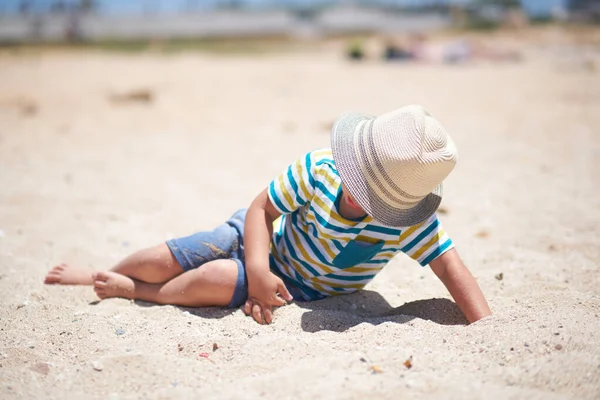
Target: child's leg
{"points": [[153, 265], [213, 284]]}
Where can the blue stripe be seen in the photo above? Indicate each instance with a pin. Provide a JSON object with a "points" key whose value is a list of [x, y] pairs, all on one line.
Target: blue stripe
{"points": [[313, 226], [309, 292], [325, 191], [338, 245], [421, 236], [352, 278], [311, 178], [299, 277], [381, 229], [294, 185], [308, 240], [387, 260], [275, 198], [331, 226], [328, 161], [437, 252], [292, 251]]}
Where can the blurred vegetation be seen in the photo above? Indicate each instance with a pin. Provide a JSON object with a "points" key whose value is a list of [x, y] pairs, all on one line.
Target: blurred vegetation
{"points": [[223, 46], [355, 50]]}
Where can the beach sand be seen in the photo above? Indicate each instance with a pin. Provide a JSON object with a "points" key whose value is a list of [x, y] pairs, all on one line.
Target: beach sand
{"points": [[90, 173]]}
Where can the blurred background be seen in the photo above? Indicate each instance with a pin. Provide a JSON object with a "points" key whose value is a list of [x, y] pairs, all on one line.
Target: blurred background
{"points": [[28, 21], [125, 123], [122, 96]]}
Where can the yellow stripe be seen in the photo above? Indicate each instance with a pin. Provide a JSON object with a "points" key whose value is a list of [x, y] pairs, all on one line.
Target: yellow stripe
{"points": [[307, 257], [298, 268], [324, 236], [284, 192], [321, 289], [323, 280], [367, 239], [427, 245], [299, 169], [322, 152], [334, 215], [280, 262], [329, 178], [363, 269], [341, 239], [292, 267], [277, 224], [325, 245], [409, 232]]}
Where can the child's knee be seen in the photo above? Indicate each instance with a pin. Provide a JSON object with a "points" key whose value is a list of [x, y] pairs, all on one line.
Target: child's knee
{"points": [[222, 272]]}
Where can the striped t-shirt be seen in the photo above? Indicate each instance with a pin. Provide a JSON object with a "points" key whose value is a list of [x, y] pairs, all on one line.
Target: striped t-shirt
{"points": [[326, 254]]}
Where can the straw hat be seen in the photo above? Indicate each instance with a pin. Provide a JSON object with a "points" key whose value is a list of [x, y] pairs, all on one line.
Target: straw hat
{"points": [[393, 165]]}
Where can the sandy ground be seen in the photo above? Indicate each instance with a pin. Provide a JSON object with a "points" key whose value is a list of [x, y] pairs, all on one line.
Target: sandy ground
{"points": [[86, 177]]}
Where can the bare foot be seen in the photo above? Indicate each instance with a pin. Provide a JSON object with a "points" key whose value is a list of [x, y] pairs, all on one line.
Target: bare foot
{"points": [[64, 274], [111, 284]]}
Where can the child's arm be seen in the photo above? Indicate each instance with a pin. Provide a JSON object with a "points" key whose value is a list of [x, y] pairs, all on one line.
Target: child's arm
{"points": [[461, 284], [263, 285]]}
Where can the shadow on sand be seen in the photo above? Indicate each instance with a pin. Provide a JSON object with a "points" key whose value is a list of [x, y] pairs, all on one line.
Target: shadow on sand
{"points": [[202, 312], [341, 313]]}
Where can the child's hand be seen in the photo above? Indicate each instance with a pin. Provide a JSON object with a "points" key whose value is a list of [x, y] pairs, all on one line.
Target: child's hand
{"points": [[260, 314], [263, 296]]}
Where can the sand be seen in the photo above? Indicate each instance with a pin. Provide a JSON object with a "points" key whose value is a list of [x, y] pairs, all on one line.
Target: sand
{"points": [[89, 174]]}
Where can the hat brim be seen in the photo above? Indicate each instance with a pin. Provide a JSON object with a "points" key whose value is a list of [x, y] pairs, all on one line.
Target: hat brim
{"points": [[347, 164]]}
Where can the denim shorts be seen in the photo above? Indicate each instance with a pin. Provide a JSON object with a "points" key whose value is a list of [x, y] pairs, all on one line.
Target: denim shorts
{"points": [[224, 242]]}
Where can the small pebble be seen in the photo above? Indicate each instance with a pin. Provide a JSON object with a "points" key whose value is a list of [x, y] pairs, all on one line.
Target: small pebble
{"points": [[120, 332], [376, 369], [96, 365], [482, 234], [558, 347]]}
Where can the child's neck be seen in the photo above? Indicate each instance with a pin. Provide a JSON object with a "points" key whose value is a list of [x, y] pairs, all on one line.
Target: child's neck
{"points": [[351, 213]]}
